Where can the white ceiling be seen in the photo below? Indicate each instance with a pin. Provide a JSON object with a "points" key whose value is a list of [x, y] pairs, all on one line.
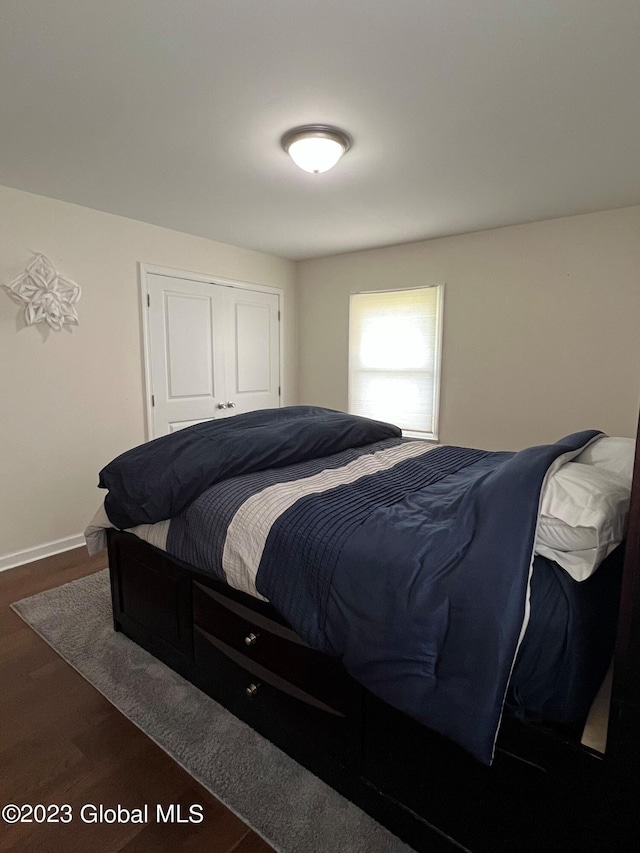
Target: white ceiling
{"points": [[465, 114]]}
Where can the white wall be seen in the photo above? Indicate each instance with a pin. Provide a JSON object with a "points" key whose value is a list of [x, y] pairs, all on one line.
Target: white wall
{"points": [[71, 400], [540, 339], [541, 330]]}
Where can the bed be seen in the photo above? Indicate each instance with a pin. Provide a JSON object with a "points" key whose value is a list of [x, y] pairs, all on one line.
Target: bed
{"points": [[429, 674]]}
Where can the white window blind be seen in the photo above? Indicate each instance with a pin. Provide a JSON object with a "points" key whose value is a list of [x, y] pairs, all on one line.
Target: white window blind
{"points": [[394, 357]]}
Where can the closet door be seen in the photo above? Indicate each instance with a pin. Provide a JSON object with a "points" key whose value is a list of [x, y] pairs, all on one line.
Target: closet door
{"points": [[212, 351], [185, 352], [252, 350]]}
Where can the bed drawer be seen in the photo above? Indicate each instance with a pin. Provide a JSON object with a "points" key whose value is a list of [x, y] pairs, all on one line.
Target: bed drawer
{"points": [[306, 731], [271, 652]]}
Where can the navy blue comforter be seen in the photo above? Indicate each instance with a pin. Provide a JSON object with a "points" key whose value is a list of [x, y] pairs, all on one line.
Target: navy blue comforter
{"points": [[156, 480], [411, 563]]}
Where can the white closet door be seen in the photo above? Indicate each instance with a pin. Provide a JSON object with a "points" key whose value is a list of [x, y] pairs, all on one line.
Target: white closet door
{"points": [[212, 351], [186, 350], [252, 350]]}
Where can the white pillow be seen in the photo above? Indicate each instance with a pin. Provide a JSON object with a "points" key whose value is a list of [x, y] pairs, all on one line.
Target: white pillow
{"points": [[560, 536], [612, 454], [584, 511]]}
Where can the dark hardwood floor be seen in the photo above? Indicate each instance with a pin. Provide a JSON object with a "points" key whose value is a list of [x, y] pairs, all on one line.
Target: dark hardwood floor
{"points": [[61, 742]]}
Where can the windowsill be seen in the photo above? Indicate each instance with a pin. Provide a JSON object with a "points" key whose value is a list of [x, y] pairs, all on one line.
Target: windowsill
{"points": [[422, 436]]}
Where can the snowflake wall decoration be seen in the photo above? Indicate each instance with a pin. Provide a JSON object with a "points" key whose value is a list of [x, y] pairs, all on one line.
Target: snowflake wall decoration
{"points": [[48, 297]]}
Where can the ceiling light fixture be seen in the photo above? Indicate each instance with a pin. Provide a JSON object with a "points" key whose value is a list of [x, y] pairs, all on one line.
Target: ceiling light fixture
{"points": [[316, 147]]}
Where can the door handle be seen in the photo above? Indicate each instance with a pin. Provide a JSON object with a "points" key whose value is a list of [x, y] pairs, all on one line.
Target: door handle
{"points": [[222, 405], [231, 405]]}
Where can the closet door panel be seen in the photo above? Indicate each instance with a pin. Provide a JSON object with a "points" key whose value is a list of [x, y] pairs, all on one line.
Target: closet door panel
{"points": [[252, 351], [186, 352]]}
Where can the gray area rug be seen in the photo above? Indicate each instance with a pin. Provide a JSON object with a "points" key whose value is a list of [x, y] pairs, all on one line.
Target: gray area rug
{"points": [[288, 806]]}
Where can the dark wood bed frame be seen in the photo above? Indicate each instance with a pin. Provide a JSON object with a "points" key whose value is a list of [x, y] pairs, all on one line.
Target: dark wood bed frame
{"points": [[545, 791]]}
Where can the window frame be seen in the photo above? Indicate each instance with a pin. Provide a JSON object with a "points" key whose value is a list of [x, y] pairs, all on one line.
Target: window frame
{"points": [[437, 355]]}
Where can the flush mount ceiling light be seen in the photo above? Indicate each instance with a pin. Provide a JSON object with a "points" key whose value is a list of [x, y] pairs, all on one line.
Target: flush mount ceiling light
{"points": [[316, 147]]}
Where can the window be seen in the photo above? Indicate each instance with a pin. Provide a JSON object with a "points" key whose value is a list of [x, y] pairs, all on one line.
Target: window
{"points": [[394, 357]]}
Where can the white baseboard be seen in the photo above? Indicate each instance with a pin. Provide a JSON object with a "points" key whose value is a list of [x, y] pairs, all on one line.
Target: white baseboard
{"points": [[18, 558]]}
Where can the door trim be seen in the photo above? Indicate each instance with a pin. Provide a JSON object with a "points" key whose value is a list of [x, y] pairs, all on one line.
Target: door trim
{"points": [[145, 270]]}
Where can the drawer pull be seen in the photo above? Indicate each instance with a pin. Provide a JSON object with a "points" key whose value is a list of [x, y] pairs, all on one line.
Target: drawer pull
{"points": [[251, 690], [251, 639]]}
